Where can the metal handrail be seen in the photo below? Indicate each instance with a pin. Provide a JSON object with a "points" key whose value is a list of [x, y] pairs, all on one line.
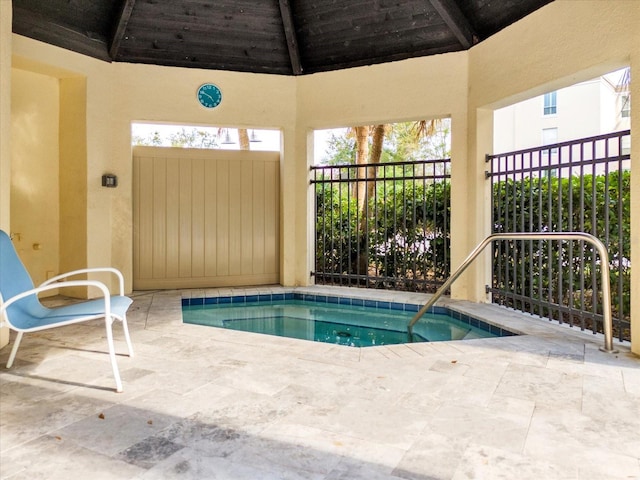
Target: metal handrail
{"points": [[602, 251]]}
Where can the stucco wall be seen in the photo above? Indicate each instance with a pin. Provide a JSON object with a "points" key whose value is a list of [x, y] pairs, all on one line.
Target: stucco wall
{"points": [[5, 127], [635, 194], [34, 171]]}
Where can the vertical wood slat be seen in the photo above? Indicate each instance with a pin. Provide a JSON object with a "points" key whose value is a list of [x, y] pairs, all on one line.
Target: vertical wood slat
{"points": [[173, 217], [205, 218], [197, 219], [259, 239], [248, 206], [159, 217], [271, 242], [145, 249], [135, 197], [222, 224], [235, 218], [210, 215], [185, 220]]}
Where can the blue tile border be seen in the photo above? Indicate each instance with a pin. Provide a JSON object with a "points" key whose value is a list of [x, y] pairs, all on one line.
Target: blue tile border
{"points": [[357, 302]]}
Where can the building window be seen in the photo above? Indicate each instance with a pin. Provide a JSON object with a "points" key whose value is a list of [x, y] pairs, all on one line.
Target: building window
{"points": [[625, 111], [549, 137], [626, 145], [550, 103]]}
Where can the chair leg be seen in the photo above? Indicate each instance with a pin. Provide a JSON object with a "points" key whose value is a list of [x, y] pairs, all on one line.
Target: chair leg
{"points": [[112, 354], [125, 327], [14, 350]]}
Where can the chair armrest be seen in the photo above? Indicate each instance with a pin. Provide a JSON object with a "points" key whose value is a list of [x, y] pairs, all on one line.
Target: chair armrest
{"points": [[115, 271], [71, 283]]}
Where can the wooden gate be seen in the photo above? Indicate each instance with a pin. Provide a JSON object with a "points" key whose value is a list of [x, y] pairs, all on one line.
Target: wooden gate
{"points": [[205, 218]]}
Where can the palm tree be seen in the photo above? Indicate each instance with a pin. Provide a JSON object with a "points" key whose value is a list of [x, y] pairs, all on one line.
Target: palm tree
{"points": [[243, 138], [371, 154], [366, 155]]}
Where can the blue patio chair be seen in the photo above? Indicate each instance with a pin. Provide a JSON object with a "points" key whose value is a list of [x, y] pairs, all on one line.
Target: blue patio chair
{"points": [[21, 310]]}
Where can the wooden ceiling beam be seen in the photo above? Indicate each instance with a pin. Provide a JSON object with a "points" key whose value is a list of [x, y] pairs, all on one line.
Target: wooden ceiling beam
{"points": [[120, 27], [290, 34], [456, 21]]}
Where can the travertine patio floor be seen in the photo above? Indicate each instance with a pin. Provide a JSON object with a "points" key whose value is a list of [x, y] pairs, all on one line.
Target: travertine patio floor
{"points": [[207, 403]]}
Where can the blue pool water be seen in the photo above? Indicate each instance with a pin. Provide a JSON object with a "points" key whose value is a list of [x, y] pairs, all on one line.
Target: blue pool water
{"points": [[337, 320]]}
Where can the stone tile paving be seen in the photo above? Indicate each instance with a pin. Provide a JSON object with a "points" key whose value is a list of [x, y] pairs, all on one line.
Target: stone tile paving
{"points": [[206, 403]]}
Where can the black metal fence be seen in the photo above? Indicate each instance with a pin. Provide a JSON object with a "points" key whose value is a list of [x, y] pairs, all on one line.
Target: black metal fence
{"points": [[383, 226], [582, 186]]}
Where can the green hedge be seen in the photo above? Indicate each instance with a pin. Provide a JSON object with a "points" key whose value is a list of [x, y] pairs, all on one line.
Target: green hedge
{"points": [[406, 240], [569, 276]]}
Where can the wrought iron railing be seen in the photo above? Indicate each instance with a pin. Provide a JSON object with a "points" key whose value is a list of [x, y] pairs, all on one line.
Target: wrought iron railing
{"points": [[383, 225], [581, 186]]}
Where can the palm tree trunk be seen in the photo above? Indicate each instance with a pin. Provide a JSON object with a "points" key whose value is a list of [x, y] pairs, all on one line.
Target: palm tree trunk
{"points": [[362, 158], [367, 192], [243, 138], [379, 131], [364, 187], [369, 173]]}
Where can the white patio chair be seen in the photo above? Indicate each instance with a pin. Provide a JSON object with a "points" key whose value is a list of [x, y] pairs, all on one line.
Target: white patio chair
{"points": [[21, 310]]}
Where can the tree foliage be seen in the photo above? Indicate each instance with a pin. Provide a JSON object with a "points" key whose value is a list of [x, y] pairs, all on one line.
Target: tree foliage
{"points": [[190, 137], [194, 138], [406, 239], [153, 139], [403, 142]]}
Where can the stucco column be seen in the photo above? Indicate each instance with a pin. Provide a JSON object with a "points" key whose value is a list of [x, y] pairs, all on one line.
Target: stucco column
{"points": [[471, 226], [294, 188], [635, 197], [287, 209], [460, 199], [307, 231], [5, 126], [73, 178]]}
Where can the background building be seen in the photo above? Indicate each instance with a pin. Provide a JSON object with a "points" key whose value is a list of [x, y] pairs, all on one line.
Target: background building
{"points": [[586, 109]]}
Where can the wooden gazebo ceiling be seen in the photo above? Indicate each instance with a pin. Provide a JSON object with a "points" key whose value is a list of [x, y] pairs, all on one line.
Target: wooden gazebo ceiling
{"points": [[285, 37]]}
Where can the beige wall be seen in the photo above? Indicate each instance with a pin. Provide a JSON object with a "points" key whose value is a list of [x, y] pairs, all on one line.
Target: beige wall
{"points": [[635, 196], [5, 127], [75, 238], [550, 49], [34, 171]]}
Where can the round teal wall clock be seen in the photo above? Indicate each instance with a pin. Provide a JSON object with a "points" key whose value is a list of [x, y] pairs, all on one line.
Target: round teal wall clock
{"points": [[209, 95]]}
